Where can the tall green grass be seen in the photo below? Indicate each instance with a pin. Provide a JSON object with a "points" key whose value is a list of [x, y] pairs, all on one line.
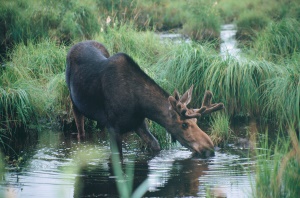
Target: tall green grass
{"points": [[279, 40], [202, 21], [143, 46], [282, 95], [185, 65], [235, 83], [63, 21], [220, 131], [24, 96], [39, 60], [249, 23], [278, 168]]}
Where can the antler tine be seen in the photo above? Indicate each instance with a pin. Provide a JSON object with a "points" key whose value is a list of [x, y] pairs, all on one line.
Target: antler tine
{"points": [[209, 108], [187, 96], [176, 95]]}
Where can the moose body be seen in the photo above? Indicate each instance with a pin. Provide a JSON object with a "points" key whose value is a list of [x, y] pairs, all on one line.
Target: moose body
{"points": [[114, 91]]}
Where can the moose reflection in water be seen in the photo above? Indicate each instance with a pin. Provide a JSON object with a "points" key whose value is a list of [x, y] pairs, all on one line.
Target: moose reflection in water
{"points": [[115, 92], [181, 178]]}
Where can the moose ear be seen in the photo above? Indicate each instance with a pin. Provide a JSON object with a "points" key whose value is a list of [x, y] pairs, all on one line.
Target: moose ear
{"points": [[187, 96], [173, 102], [176, 95]]}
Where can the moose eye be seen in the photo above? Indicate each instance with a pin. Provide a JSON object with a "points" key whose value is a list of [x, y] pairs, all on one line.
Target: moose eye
{"points": [[184, 125]]}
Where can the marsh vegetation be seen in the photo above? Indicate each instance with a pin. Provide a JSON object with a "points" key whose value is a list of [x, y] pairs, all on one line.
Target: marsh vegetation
{"points": [[261, 88]]}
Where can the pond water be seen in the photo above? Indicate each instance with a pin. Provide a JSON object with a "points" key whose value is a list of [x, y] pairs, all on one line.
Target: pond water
{"points": [[56, 165]]}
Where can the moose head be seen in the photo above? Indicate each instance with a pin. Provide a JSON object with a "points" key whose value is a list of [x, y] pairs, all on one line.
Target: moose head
{"points": [[184, 121]]}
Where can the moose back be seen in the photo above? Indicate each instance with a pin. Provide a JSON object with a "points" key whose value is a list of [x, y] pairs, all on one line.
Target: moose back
{"points": [[114, 91]]}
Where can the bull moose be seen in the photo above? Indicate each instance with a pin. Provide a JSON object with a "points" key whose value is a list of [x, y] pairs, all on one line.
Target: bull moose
{"points": [[114, 91]]}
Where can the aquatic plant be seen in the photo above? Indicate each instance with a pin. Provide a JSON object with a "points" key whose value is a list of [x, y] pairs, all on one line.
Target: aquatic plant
{"points": [[23, 96], [59, 101], [38, 61], [282, 95], [278, 40], [143, 46], [249, 23], [183, 65], [202, 21], [220, 131], [20, 106], [62, 21], [278, 168]]}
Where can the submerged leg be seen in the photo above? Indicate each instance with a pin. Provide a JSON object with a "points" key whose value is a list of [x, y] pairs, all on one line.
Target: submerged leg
{"points": [[149, 139], [115, 142], [79, 119]]}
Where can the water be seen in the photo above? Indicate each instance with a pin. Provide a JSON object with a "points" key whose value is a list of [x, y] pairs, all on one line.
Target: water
{"points": [[229, 46], [59, 166]]}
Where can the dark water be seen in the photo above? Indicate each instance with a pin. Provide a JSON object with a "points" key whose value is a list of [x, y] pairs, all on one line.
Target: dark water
{"points": [[59, 166]]}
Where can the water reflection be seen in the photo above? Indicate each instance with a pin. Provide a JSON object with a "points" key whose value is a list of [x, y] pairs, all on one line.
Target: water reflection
{"points": [[68, 169]]}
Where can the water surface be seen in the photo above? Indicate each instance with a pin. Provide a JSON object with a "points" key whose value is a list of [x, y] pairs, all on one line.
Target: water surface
{"points": [[59, 166]]}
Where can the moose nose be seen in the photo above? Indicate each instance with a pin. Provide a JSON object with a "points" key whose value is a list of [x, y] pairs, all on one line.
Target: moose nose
{"points": [[206, 153]]}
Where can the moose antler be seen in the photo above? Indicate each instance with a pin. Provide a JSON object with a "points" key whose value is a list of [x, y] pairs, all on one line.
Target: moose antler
{"points": [[208, 107], [179, 104]]}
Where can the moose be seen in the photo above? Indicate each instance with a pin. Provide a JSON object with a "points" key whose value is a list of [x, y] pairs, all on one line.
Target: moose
{"points": [[119, 95]]}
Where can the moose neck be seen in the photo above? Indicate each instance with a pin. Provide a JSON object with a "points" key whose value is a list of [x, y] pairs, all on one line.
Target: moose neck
{"points": [[155, 105]]}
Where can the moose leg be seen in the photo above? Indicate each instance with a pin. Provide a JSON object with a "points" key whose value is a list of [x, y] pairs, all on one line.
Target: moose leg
{"points": [[115, 141], [79, 119], [149, 139]]}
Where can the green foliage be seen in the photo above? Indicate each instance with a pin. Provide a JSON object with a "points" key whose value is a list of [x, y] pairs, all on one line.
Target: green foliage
{"points": [[24, 97], [279, 40], [278, 168], [143, 46], [220, 129], [249, 23], [184, 65], [160, 15], [15, 107], [39, 61], [23, 20], [238, 84], [282, 95], [202, 21]]}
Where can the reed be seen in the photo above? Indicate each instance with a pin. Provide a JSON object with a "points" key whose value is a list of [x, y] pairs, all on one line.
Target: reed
{"points": [[185, 65], [62, 21], [143, 46], [235, 83], [19, 106], [59, 101], [24, 97], [278, 40], [249, 23], [202, 21], [277, 169], [39, 61], [282, 95], [220, 131]]}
